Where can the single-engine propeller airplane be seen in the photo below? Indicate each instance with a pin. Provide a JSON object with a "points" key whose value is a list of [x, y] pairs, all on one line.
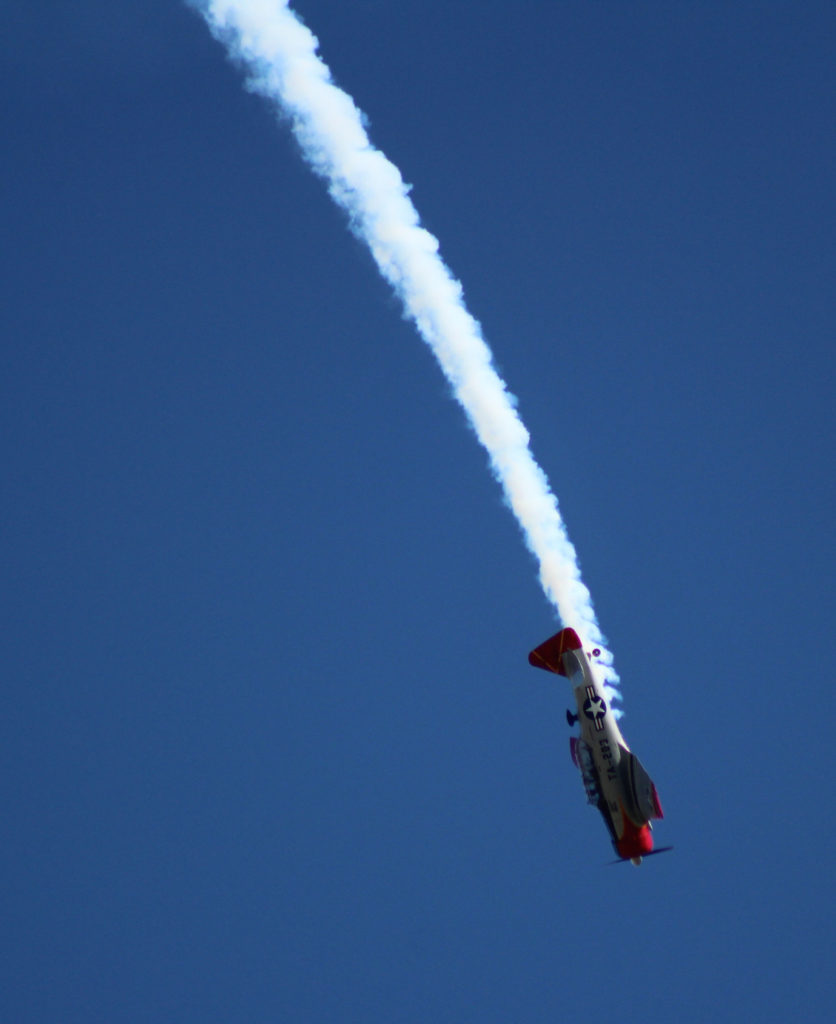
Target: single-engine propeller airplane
{"points": [[613, 777]]}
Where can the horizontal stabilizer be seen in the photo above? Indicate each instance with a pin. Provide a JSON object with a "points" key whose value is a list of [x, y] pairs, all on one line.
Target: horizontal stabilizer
{"points": [[549, 656]]}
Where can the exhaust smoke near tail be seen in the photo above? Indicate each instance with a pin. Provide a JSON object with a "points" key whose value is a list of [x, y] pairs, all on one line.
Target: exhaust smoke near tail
{"points": [[279, 54]]}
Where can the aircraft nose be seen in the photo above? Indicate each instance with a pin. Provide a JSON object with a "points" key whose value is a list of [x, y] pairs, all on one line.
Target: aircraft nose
{"points": [[635, 842]]}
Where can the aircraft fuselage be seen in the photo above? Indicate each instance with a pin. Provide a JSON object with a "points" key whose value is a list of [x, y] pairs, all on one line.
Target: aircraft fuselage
{"points": [[614, 779]]}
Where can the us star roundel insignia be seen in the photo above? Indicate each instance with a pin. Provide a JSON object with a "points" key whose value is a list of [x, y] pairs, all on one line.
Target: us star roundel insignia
{"points": [[595, 708]]}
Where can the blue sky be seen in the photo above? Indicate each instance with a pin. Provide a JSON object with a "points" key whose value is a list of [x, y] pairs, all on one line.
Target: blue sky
{"points": [[271, 746]]}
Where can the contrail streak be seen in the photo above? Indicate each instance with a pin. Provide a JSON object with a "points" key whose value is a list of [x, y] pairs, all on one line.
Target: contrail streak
{"points": [[279, 54]]}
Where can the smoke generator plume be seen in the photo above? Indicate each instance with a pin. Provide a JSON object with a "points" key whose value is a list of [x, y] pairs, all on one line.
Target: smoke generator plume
{"points": [[279, 54]]}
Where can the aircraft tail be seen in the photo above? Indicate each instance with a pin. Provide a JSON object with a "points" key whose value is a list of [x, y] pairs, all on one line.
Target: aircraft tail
{"points": [[549, 655]]}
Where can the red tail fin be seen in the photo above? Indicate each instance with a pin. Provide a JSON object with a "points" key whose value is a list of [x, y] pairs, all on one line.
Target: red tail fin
{"points": [[548, 655]]}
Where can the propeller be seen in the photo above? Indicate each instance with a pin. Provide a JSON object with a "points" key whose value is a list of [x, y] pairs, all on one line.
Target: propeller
{"points": [[629, 860]]}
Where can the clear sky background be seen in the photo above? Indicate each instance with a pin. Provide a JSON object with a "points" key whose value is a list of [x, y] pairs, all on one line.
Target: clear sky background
{"points": [[271, 748]]}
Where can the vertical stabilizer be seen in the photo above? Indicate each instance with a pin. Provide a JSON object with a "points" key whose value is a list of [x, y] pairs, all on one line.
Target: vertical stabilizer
{"points": [[549, 655]]}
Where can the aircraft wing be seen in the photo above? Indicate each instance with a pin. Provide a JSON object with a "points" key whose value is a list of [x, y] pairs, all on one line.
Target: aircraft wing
{"points": [[639, 792]]}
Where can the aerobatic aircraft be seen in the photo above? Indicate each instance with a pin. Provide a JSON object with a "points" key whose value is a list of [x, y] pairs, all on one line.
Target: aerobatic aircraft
{"points": [[613, 777]]}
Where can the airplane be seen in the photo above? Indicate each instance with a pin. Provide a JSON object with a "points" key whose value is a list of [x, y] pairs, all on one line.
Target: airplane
{"points": [[613, 777]]}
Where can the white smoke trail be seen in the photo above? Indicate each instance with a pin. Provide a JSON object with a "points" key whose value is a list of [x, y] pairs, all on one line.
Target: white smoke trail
{"points": [[280, 56]]}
